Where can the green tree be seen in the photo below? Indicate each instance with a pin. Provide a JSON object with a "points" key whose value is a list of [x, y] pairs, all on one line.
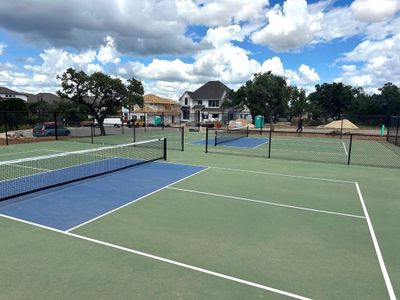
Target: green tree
{"points": [[135, 94], [298, 104], [389, 99], [99, 94], [266, 94], [331, 99]]}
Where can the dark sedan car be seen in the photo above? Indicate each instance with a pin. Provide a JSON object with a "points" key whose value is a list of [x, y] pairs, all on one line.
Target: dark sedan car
{"points": [[50, 130]]}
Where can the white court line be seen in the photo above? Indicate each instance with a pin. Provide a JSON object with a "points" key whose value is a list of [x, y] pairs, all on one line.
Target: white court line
{"points": [[23, 152], [261, 144], [284, 175], [165, 260], [138, 199], [345, 150], [269, 203], [385, 273], [27, 167]]}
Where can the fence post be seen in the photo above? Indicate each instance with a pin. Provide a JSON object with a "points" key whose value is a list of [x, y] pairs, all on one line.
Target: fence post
{"points": [[6, 127], [247, 131], [165, 148], [388, 128], [162, 120], [92, 131], [341, 127], [134, 133], [55, 125], [397, 131], [261, 128], [183, 138], [350, 147], [269, 143], [206, 139]]}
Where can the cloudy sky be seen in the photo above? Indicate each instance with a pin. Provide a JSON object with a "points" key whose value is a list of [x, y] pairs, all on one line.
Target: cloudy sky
{"points": [[177, 45]]}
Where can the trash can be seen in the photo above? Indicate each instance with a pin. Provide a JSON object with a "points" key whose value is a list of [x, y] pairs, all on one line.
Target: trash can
{"points": [[259, 122], [157, 121]]}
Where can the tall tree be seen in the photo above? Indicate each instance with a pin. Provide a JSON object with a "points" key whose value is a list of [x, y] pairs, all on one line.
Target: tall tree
{"points": [[389, 99], [331, 99], [266, 94], [99, 93], [135, 94], [298, 104]]}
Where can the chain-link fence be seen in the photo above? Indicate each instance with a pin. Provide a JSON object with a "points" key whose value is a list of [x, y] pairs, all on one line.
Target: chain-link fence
{"points": [[393, 135], [331, 147], [31, 127]]}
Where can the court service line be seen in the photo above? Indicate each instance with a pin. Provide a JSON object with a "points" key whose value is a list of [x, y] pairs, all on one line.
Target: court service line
{"points": [[23, 152], [345, 150], [284, 175], [382, 265], [135, 200], [165, 260], [269, 203]]}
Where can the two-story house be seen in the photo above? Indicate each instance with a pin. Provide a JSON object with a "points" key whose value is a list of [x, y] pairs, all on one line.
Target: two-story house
{"points": [[205, 104], [155, 106], [6, 93]]}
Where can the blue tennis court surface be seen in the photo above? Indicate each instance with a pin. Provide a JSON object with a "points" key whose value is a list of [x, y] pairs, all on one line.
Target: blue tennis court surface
{"points": [[70, 205], [246, 142]]}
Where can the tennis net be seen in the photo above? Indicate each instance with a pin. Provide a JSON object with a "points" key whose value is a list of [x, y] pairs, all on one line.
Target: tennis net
{"points": [[223, 136], [23, 176]]}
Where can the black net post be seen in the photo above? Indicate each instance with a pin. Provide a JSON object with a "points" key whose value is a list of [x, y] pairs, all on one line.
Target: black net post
{"points": [[397, 131], [162, 120], [55, 125], [247, 131], [269, 143], [198, 119], [122, 126], [206, 139], [215, 138], [92, 131], [388, 128], [350, 147], [134, 132], [183, 138], [144, 123], [261, 130], [6, 127], [165, 149]]}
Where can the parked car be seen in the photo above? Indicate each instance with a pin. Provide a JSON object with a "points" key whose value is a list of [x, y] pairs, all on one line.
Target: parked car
{"points": [[49, 129]]}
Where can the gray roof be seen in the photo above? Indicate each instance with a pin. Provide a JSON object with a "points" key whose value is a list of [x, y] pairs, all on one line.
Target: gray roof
{"points": [[48, 97], [212, 90], [4, 90]]}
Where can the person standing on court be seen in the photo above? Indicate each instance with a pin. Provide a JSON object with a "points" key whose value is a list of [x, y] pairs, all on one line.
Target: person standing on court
{"points": [[300, 125]]}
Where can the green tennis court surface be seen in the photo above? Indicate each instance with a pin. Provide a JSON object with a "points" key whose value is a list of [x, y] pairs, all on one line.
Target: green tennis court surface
{"points": [[244, 228]]}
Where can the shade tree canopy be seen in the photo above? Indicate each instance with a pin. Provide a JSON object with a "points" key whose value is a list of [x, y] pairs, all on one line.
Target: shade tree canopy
{"points": [[100, 94]]}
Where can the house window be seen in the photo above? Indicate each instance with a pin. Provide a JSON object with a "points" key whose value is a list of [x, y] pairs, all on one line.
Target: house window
{"points": [[200, 102], [186, 101], [185, 114], [213, 103], [215, 116]]}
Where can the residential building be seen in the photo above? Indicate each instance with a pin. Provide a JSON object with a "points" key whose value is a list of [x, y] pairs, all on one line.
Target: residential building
{"points": [[155, 106], [6, 93], [206, 104]]}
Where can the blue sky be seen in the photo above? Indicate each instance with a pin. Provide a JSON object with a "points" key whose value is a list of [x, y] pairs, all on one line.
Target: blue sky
{"points": [[177, 45]]}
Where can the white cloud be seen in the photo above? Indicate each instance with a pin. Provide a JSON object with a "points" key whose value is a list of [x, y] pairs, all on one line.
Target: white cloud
{"points": [[220, 12], [378, 63], [289, 27], [374, 10], [222, 35], [2, 48], [108, 52]]}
